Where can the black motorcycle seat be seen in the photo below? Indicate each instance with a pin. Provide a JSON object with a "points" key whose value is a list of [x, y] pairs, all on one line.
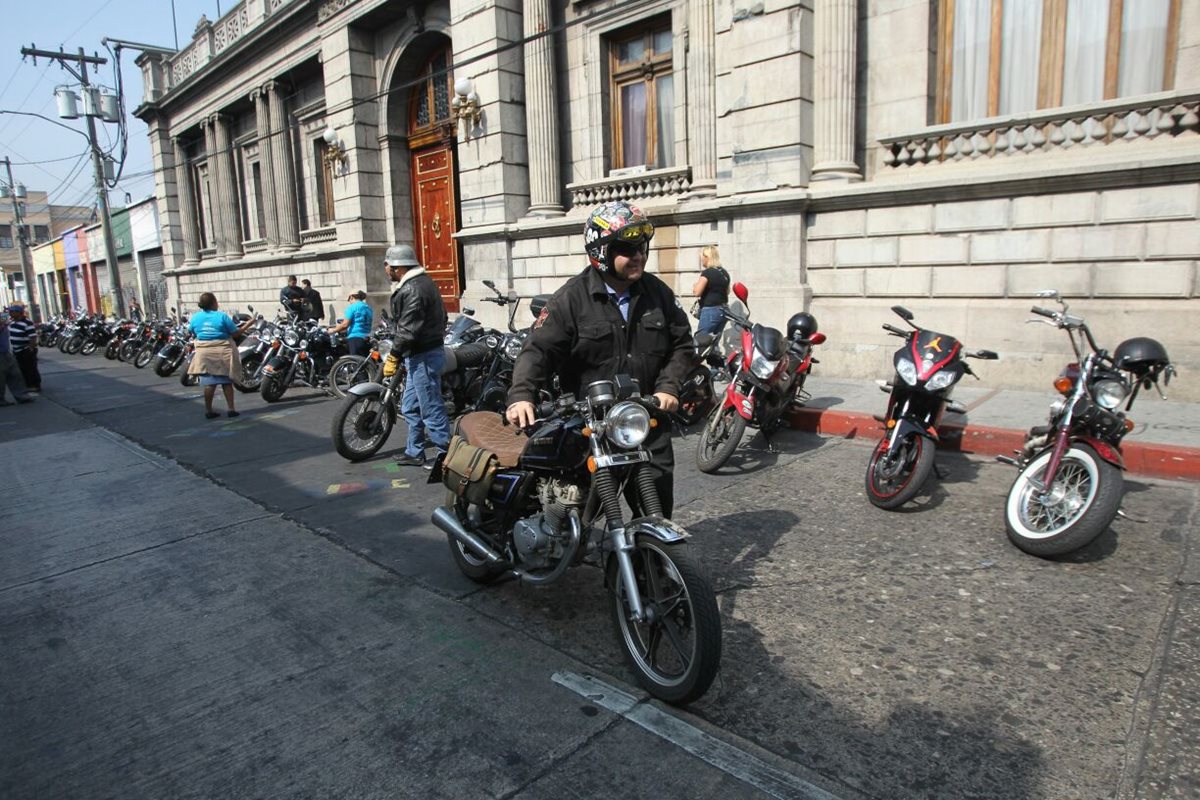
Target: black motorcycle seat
{"points": [[486, 429]]}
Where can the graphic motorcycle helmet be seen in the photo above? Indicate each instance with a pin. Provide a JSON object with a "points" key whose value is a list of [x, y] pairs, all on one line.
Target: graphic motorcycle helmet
{"points": [[801, 326], [611, 222]]}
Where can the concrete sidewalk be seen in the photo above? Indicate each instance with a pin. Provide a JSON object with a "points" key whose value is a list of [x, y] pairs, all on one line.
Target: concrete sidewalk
{"points": [[1165, 442]]}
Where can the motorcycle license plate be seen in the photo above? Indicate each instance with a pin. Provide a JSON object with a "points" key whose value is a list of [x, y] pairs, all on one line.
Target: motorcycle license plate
{"points": [[622, 459]]}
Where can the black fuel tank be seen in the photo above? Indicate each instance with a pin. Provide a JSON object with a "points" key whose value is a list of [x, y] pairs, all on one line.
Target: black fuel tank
{"points": [[559, 444]]}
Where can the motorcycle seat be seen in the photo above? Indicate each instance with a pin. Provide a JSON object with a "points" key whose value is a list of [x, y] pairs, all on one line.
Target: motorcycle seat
{"points": [[486, 429]]}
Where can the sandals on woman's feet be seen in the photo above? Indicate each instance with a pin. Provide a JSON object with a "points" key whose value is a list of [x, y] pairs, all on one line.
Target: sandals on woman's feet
{"points": [[234, 414], [211, 415]]}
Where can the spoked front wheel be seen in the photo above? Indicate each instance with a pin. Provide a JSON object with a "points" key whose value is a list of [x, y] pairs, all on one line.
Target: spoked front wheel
{"points": [[893, 481], [676, 649], [361, 426], [143, 357], [721, 435], [1068, 515]]}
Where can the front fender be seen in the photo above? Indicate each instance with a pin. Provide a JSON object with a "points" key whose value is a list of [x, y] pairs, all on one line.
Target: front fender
{"points": [[904, 428], [277, 364], [365, 389], [1103, 449], [662, 529]]}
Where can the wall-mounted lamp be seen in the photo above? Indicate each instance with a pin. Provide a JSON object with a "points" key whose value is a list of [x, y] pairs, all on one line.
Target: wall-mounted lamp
{"points": [[335, 152], [465, 104]]}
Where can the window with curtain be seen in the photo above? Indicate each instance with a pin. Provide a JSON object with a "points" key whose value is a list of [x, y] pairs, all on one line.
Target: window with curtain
{"points": [[643, 96], [6, 236], [1001, 57]]}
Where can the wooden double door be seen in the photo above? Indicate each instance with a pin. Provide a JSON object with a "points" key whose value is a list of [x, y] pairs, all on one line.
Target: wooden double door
{"points": [[435, 218]]}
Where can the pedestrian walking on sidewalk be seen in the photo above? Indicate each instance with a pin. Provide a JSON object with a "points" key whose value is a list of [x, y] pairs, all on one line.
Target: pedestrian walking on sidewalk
{"points": [[216, 360], [10, 373], [23, 336], [419, 318]]}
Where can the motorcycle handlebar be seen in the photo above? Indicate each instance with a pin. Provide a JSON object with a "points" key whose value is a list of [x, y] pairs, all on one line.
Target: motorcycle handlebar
{"points": [[892, 329], [1042, 312]]}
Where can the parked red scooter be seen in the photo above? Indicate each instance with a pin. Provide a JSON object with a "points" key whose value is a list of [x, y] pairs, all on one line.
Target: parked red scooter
{"points": [[768, 372]]}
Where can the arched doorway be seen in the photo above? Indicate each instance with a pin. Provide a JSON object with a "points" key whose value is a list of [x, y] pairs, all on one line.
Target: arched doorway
{"points": [[431, 141]]}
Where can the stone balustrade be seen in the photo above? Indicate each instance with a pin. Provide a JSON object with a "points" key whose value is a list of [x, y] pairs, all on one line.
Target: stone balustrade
{"points": [[1111, 123], [318, 236], [644, 185], [213, 38]]}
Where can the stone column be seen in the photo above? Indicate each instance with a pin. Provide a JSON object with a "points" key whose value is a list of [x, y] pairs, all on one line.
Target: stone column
{"points": [[834, 80], [187, 213], [281, 160], [213, 197], [541, 113], [229, 245], [702, 97], [266, 144]]}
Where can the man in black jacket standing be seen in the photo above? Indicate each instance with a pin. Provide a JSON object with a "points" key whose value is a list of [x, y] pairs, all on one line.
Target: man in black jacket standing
{"points": [[316, 307], [611, 319], [292, 297], [419, 320]]}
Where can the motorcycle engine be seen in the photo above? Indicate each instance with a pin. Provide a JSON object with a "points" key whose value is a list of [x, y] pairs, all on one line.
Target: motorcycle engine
{"points": [[539, 538]]}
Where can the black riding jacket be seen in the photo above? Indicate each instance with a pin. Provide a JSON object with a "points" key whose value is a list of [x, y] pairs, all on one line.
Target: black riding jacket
{"points": [[418, 314], [582, 337]]}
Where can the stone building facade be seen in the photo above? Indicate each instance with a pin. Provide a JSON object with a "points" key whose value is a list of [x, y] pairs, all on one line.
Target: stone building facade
{"points": [[953, 156]]}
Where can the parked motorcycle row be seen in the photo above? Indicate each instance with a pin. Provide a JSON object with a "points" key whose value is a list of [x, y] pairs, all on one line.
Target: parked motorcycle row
{"points": [[529, 507]]}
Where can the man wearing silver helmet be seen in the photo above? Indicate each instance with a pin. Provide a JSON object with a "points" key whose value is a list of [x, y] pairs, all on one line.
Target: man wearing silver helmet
{"points": [[612, 318], [419, 322]]}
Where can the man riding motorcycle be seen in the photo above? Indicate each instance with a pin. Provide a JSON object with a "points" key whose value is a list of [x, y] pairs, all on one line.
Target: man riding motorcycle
{"points": [[611, 319]]}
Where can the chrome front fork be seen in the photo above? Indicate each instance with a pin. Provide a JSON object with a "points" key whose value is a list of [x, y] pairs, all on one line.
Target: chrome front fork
{"points": [[621, 543]]}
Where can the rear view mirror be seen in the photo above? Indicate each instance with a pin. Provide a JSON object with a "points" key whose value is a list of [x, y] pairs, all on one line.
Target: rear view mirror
{"points": [[903, 313], [817, 338], [332, 314], [512, 295], [384, 314], [741, 292], [247, 306], [490, 284], [1051, 293]]}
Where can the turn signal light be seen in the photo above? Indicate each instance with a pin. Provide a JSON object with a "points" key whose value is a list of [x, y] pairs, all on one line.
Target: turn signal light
{"points": [[587, 433], [274, 344], [591, 463], [1063, 385], [1128, 425], [374, 355], [891, 423], [653, 422], [303, 356]]}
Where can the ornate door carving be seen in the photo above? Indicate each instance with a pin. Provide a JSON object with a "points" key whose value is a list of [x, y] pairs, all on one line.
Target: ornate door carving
{"points": [[434, 219]]}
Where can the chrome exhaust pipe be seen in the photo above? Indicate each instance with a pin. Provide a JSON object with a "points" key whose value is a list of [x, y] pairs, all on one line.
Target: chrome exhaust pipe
{"points": [[446, 521]]}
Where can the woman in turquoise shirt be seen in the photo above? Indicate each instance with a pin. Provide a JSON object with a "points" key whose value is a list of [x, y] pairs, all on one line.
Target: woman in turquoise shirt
{"points": [[216, 358], [356, 324]]}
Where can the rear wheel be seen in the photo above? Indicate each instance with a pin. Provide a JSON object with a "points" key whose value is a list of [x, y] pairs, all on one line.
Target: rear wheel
{"points": [[720, 437], [676, 650], [163, 367], [1071, 513], [110, 351], [471, 517], [88, 347], [129, 350], [360, 426], [892, 482], [73, 345]]}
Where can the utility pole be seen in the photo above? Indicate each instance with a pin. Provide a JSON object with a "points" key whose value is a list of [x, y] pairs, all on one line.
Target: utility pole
{"points": [[23, 246], [110, 249]]}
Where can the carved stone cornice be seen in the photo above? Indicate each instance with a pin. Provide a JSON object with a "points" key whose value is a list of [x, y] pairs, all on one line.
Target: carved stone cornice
{"points": [[329, 8]]}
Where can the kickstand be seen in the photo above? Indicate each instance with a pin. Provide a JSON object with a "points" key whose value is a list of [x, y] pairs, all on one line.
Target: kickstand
{"points": [[939, 472]]}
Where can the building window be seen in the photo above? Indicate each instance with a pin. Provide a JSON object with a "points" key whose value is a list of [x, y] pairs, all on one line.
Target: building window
{"points": [[324, 170], [256, 190], [643, 97], [41, 233], [429, 116], [6, 236], [1002, 57]]}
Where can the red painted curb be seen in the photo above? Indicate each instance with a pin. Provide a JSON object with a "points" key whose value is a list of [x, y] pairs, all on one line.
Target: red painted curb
{"points": [[1147, 460]]}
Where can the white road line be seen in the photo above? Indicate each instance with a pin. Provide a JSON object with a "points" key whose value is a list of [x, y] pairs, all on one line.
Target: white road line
{"points": [[725, 757]]}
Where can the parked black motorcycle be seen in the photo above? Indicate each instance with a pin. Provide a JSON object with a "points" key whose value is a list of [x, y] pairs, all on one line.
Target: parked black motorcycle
{"points": [[1070, 486], [525, 506], [928, 367], [304, 354]]}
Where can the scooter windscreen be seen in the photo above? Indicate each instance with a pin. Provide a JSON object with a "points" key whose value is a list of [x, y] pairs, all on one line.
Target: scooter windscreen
{"points": [[931, 351]]}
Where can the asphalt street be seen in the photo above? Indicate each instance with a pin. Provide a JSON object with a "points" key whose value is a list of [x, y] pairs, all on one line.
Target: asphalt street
{"points": [[226, 608]]}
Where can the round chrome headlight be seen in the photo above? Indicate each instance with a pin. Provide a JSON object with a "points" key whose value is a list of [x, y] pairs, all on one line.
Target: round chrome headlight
{"points": [[1109, 394], [291, 338], [627, 425], [907, 370], [384, 347], [512, 348]]}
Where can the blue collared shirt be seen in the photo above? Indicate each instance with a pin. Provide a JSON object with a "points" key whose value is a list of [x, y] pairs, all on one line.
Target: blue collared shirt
{"points": [[621, 301]]}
